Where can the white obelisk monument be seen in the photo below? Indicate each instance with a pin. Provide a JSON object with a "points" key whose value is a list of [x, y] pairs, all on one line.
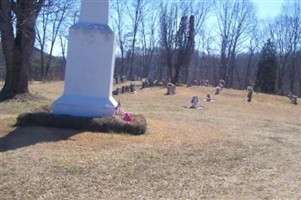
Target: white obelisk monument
{"points": [[90, 64]]}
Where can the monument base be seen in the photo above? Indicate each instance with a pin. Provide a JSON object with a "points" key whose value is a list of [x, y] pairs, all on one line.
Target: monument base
{"points": [[84, 106]]}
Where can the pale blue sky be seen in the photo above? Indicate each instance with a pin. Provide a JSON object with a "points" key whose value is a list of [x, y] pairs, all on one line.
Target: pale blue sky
{"points": [[268, 8], [265, 9]]}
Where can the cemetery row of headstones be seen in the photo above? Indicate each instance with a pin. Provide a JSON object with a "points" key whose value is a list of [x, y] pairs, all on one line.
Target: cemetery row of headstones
{"points": [[131, 88], [171, 89], [125, 89], [195, 99]]}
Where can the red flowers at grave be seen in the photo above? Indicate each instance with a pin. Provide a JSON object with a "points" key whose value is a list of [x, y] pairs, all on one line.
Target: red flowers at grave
{"points": [[128, 117]]}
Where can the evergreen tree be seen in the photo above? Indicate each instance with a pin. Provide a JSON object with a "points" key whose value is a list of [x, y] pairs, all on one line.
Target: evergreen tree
{"points": [[267, 69]]}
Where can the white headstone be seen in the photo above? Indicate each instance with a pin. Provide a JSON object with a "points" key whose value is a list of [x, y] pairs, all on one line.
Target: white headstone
{"points": [[90, 64]]}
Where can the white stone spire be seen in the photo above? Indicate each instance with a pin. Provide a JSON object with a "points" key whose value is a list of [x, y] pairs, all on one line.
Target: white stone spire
{"points": [[90, 64], [95, 11]]}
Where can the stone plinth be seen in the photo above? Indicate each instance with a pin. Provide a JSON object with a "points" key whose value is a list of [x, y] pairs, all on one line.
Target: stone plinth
{"points": [[90, 66]]}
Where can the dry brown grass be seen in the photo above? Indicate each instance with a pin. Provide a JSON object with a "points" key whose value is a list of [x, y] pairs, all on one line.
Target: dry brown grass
{"points": [[231, 150]]}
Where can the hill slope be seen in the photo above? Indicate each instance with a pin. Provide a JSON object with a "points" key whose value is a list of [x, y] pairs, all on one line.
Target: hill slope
{"points": [[231, 150]]}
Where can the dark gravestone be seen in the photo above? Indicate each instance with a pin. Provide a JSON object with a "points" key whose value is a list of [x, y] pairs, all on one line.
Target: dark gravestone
{"points": [[132, 87], [222, 83], [194, 102], [118, 91], [217, 90], [171, 89], [195, 82], [250, 93], [123, 79], [293, 98], [123, 89]]}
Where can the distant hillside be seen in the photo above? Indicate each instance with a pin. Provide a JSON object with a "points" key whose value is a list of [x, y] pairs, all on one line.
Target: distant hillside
{"points": [[56, 70]]}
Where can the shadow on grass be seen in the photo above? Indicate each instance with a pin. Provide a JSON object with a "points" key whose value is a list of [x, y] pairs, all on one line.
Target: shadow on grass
{"points": [[31, 129], [94, 124], [27, 136]]}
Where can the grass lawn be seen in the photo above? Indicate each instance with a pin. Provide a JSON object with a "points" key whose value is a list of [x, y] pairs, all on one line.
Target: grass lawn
{"points": [[231, 150]]}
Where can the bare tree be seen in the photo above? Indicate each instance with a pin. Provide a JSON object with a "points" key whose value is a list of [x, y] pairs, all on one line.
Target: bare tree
{"points": [[148, 38], [17, 27], [168, 28], [49, 25], [285, 31], [278, 33], [135, 11], [253, 48], [41, 33], [200, 10], [292, 12], [234, 21], [207, 69], [119, 29], [178, 35], [61, 10]]}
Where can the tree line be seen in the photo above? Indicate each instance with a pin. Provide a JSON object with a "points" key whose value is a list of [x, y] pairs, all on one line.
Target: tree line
{"points": [[178, 41], [228, 41]]}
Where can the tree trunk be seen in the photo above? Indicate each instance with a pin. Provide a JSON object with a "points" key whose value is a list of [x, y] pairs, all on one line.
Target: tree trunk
{"points": [[122, 62], [293, 72], [42, 62], [17, 65], [280, 78], [299, 77], [170, 72], [132, 56], [248, 71], [281, 71], [223, 65], [17, 50], [176, 78]]}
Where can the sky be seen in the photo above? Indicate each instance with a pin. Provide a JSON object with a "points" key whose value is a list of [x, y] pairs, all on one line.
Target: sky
{"points": [[268, 8], [265, 9]]}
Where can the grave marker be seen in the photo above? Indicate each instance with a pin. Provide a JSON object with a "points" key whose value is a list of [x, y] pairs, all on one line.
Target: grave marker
{"points": [[90, 64]]}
